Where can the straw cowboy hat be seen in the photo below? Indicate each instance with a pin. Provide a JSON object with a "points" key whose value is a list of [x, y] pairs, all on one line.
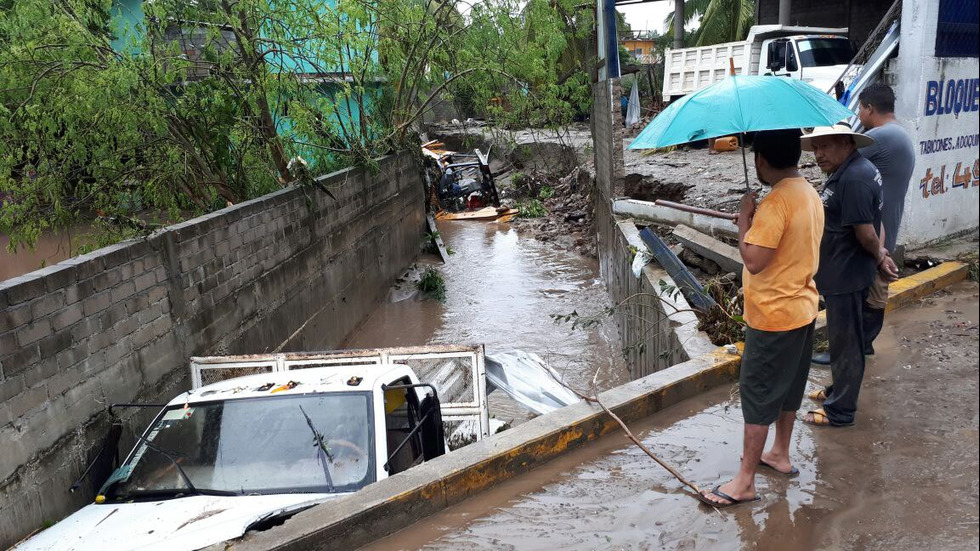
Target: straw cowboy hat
{"points": [[860, 140]]}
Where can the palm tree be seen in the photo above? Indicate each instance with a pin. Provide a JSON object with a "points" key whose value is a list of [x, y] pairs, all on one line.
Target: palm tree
{"points": [[720, 20]]}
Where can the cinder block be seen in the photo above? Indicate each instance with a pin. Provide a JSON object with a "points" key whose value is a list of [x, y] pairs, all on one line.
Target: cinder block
{"points": [[145, 281], [67, 317], [47, 303], [23, 288], [22, 358], [28, 400], [79, 291], [96, 303], [50, 346], [117, 351], [108, 278], [84, 329], [112, 315], [69, 357], [11, 386], [99, 341], [121, 291], [33, 332], [41, 372], [63, 380], [126, 326]]}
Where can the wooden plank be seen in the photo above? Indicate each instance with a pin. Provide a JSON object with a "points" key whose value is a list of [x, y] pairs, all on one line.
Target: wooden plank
{"points": [[443, 252], [720, 253]]}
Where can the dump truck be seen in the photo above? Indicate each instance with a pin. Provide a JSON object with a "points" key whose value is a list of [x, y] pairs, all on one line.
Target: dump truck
{"points": [[816, 55]]}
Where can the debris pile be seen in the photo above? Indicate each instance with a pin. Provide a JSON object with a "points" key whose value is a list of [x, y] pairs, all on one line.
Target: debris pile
{"points": [[555, 210]]}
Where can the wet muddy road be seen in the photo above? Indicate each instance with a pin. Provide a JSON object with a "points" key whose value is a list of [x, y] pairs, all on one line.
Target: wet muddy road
{"points": [[501, 289], [905, 477]]}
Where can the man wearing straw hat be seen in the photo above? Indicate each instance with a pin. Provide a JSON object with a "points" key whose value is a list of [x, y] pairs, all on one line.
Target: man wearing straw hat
{"points": [[851, 253], [893, 154]]}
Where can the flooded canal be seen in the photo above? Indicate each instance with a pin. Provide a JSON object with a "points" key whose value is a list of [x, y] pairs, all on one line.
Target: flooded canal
{"points": [[501, 289], [51, 248], [903, 478]]}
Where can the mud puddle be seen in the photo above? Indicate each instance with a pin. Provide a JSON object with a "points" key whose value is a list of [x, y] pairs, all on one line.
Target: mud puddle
{"points": [[904, 477], [501, 289]]}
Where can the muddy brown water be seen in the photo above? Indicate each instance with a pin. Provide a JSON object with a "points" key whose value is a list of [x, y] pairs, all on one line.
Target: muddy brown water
{"points": [[905, 477], [50, 248], [501, 290]]}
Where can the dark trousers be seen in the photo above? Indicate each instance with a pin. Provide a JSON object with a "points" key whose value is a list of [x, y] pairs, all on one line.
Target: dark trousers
{"points": [[845, 334], [872, 320]]}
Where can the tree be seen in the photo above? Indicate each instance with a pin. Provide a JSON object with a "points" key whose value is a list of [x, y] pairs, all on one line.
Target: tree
{"points": [[213, 101], [719, 20]]}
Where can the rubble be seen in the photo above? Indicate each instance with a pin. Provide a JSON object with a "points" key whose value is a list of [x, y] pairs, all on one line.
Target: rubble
{"points": [[568, 219]]}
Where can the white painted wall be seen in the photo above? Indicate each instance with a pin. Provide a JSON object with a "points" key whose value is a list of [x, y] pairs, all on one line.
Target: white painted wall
{"points": [[940, 200]]}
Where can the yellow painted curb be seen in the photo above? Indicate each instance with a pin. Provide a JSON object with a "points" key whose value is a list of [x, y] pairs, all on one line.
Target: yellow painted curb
{"points": [[911, 288]]}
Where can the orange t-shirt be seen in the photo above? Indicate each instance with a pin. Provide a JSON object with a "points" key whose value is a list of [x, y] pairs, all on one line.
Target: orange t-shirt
{"points": [[783, 296]]}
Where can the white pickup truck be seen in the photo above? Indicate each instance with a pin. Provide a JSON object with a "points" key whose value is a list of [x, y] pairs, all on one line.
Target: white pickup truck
{"points": [[261, 437], [816, 55], [272, 435]]}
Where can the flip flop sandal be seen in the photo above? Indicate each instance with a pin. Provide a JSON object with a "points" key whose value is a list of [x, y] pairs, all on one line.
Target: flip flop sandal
{"points": [[718, 493], [820, 419], [793, 471], [818, 395]]}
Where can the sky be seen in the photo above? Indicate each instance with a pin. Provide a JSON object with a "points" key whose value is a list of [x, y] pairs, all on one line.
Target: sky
{"points": [[648, 16]]}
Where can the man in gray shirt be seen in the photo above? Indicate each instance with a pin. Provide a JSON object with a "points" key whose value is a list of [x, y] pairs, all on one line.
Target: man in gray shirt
{"points": [[894, 156]]}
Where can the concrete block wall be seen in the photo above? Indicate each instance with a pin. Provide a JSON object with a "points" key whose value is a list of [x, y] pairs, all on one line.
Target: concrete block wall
{"points": [[653, 337], [293, 270]]}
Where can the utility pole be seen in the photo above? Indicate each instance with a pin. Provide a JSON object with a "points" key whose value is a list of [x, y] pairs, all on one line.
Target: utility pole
{"points": [[784, 6], [679, 23]]}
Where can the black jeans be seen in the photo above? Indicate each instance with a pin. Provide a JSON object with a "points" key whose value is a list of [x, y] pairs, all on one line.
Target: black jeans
{"points": [[845, 333], [872, 321]]}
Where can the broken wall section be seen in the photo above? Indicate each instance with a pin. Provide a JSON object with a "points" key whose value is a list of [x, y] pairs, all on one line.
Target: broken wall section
{"points": [[656, 327], [293, 269]]}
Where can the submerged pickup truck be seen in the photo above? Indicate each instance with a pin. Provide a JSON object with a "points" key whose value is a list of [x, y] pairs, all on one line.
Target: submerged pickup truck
{"points": [[259, 438]]}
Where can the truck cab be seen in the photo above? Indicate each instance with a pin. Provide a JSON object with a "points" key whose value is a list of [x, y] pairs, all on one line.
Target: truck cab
{"points": [[249, 451], [816, 59]]}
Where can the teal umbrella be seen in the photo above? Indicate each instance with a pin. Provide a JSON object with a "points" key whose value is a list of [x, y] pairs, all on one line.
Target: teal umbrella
{"points": [[739, 104]]}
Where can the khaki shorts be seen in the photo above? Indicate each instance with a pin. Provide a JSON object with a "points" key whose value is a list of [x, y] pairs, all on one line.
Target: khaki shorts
{"points": [[878, 293]]}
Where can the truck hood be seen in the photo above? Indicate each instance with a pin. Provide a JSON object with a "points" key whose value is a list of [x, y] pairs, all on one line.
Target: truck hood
{"points": [[181, 523], [823, 77]]}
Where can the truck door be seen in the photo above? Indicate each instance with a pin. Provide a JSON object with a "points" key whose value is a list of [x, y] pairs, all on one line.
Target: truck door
{"points": [[401, 417], [413, 428], [782, 58]]}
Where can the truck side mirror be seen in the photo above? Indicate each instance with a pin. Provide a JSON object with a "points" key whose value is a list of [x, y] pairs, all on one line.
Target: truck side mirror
{"points": [[776, 56]]}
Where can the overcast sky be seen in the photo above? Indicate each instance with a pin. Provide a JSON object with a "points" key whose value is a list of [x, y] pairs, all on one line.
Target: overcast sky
{"points": [[647, 17]]}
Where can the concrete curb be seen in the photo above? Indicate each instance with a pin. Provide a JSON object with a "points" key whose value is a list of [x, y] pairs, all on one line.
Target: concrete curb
{"points": [[394, 503]]}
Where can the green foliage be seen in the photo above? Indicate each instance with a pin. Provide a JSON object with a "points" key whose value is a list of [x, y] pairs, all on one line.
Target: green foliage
{"points": [[720, 21], [531, 208], [432, 285], [546, 192], [207, 102]]}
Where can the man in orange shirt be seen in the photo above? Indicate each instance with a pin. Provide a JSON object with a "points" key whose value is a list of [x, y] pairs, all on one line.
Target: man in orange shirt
{"points": [[780, 246]]}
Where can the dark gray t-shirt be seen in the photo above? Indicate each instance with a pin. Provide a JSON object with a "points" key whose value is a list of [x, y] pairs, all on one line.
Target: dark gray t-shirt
{"points": [[851, 196], [894, 156]]}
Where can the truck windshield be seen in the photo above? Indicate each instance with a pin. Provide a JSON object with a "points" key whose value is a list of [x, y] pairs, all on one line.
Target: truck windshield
{"points": [[318, 443], [824, 52]]}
